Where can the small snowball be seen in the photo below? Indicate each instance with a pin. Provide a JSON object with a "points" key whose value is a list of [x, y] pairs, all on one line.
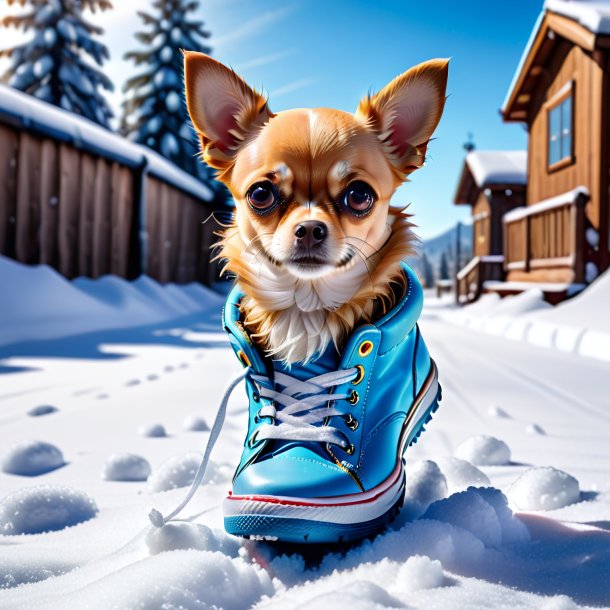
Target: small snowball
{"points": [[126, 467], [152, 431], [535, 430], [425, 484], [33, 510], [180, 471], [484, 451], [484, 513], [460, 474], [420, 572], [544, 488], [495, 411], [196, 424], [42, 410], [32, 458]]}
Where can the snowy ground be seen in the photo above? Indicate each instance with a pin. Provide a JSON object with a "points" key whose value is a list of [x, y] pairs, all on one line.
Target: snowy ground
{"points": [[112, 390]]}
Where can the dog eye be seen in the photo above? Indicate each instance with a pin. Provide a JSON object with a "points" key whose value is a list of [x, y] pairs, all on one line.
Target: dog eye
{"points": [[262, 196], [359, 198]]}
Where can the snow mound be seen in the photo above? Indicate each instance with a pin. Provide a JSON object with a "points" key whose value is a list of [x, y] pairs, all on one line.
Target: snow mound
{"points": [[484, 512], [425, 484], [559, 602], [32, 458], [460, 474], [194, 423], [499, 412], [544, 488], [46, 508], [152, 431], [126, 467], [484, 451], [535, 430], [180, 471], [185, 536], [420, 572], [42, 410], [358, 595]]}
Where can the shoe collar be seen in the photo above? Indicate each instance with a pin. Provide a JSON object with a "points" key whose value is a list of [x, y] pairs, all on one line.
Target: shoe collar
{"points": [[385, 333]]}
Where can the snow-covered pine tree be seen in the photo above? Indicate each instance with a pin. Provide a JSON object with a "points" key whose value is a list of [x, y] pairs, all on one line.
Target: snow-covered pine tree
{"points": [[53, 65], [154, 113]]}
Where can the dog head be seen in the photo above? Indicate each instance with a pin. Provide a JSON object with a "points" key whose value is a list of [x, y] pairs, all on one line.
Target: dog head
{"points": [[312, 186]]}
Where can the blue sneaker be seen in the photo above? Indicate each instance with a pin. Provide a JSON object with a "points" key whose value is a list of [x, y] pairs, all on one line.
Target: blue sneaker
{"points": [[323, 456]]}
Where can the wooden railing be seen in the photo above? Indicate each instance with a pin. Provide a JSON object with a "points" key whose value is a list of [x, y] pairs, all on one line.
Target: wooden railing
{"points": [[547, 235], [471, 278]]}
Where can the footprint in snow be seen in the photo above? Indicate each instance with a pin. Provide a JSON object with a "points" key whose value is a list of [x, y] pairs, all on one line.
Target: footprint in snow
{"points": [[42, 410], [169, 368], [132, 382], [535, 429], [152, 377]]}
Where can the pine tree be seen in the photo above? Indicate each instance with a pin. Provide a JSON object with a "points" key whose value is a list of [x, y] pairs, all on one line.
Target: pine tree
{"points": [[444, 267], [427, 272], [53, 66], [154, 113]]}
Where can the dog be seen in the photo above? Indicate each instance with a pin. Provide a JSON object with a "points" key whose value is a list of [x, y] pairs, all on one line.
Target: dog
{"points": [[314, 243]]}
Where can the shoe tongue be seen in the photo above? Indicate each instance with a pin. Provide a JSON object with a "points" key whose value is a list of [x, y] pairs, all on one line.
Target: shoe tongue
{"points": [[324, 363]]}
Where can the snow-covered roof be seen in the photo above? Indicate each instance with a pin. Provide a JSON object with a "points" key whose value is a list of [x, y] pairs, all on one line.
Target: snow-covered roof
{"points": [[595, 16], [546, 204], [498, 166], [24, 111]]}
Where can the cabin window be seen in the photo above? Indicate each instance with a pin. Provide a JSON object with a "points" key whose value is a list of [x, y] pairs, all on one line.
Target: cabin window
{"points": [[560, 131]]}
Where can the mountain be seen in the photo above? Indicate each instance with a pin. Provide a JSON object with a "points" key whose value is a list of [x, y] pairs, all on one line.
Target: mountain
{"points": [[434, 248]]}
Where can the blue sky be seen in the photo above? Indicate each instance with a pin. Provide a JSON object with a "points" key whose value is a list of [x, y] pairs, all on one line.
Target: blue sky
{"points": [[310, 53]]}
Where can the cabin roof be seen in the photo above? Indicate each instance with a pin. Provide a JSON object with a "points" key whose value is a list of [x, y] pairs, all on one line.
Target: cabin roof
{"points": [[585, 23], [488, 168], [26, 112]]}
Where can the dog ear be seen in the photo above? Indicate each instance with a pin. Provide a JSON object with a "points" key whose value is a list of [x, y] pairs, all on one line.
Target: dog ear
{"points": [[223, 108], [405, 113]]}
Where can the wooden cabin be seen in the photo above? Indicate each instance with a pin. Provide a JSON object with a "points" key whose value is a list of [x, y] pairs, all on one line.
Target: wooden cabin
{"points": [[492, 183], [560, 241]]}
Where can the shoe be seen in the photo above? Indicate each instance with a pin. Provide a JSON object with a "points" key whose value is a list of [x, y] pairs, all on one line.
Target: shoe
{"points": [[323, 456]]}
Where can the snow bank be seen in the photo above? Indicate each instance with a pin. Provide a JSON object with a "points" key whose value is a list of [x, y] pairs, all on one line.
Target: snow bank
{"points": [[32, 510], [32, 458], [483, 512], [579, 325], [186, 536], [42, 304], [484, 451], [126, 467], [544, 488]]}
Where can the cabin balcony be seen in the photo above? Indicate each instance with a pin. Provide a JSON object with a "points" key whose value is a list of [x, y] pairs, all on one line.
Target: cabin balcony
{"points": [[544, 247], [472, 278]]}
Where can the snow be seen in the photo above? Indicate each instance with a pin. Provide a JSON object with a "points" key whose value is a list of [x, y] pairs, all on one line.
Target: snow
{"points": [[579, 325], [31, 114], [544, 488], [126, 467], [45, 508], [85, 305], [32, 458], [595, 16], [484, 450], [546, 204], [194, 423], [152, 430], [490, 167], [470, 549], [40, 410]]}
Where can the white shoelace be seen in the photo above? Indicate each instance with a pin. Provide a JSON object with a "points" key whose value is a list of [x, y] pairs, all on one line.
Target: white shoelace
{"points": [[304, 404]]}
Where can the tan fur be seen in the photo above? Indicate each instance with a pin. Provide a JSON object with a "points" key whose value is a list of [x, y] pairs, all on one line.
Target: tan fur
{"points": [[311, 156]]}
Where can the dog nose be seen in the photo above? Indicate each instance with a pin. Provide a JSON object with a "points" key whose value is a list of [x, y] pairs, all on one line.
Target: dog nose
{"points": [[310, 233]]}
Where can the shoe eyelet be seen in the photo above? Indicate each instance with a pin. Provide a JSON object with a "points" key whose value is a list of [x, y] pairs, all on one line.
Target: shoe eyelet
{"points": [[353, 398], [243, 358], [360, 376], [366, 347], [256, 397], [349, 449], [351, 422]]}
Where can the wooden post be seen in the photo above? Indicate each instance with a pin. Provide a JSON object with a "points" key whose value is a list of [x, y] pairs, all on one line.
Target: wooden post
{"points": [[578, 238], [69, 209]]}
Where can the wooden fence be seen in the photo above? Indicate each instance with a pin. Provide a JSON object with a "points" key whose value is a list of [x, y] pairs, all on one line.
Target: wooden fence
{"points": [[88, 203]]}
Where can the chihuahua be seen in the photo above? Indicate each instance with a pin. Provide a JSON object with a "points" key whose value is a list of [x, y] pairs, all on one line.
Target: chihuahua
{"points": [[314, 243]]}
